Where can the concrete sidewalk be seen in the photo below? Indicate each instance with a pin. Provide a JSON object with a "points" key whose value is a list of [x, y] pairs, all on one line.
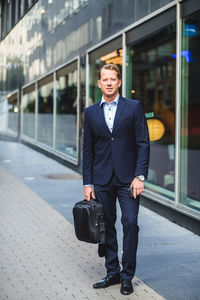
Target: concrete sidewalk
{"points": [[37, 204], [40, 257]]}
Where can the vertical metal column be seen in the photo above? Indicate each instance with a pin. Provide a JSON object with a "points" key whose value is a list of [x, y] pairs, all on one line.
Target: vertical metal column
{"points": [[54, 110], [124, 65], [178, 101], [36, 111], [78, 108], [87, 83], [19, 105]]}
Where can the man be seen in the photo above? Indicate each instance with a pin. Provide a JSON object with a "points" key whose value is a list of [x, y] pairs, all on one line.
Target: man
{"points": [[115, 157]]}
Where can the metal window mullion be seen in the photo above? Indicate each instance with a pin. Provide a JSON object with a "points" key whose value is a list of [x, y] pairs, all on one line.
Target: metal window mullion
{"points": [[124, 65], [54, 110], [178, 102], [78, 107], [19, 113], [22, 116], [87, 80], [36, 111]]}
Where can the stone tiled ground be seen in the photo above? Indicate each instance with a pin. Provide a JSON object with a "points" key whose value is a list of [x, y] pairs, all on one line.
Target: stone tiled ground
{"points": [[40, 257]]}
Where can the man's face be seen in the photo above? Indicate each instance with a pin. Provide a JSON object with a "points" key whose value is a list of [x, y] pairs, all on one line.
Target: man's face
{"points": [[109, 83]]}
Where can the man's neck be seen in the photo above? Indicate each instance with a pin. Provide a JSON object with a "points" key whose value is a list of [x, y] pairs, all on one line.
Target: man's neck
{"points": [[111, 98]]}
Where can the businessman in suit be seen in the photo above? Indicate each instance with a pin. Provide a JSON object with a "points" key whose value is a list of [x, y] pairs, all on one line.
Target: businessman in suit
{"points": [[115, 157]]}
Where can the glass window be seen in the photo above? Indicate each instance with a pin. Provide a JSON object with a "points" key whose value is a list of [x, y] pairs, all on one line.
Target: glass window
{"points": [[25, 6], [28, 109], [151, 68], [66, 110], [3, 114], [13, 11], [108, 54], [13, 114], [190, 112], [45, 111], [82, 92], [19, 9], [8, 16], [1, 20]]}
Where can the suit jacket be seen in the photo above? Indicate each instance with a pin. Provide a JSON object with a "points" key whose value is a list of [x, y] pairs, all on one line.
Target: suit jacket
{"points": [[125, 150]]}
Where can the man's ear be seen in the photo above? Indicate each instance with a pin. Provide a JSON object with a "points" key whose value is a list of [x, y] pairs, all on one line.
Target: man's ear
{"points": [[98, 82], [120, 82]]}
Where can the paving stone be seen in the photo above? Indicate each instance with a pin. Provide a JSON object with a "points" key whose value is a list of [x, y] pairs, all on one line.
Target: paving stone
{"points": [[40, 257]]}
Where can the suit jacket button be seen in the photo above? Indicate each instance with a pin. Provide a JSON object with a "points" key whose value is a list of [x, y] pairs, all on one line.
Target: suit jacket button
{"points": [[112, 138]]}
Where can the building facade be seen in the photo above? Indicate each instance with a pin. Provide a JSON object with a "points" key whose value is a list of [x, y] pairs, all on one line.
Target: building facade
{"points": [[50, 55]]}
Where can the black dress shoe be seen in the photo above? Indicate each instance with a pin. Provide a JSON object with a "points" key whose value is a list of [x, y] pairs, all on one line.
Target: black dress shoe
{"points": [[126, 287], [107, 281]]}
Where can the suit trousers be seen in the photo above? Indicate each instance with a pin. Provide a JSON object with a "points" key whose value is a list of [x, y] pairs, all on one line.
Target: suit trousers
{"points": [[107, 195]]}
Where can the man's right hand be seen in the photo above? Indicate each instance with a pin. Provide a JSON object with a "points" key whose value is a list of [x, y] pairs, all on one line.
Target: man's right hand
{"points": [[89, 193]]}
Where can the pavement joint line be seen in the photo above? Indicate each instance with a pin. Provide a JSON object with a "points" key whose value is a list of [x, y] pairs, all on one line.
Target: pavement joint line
{"points": [[40, 255]]}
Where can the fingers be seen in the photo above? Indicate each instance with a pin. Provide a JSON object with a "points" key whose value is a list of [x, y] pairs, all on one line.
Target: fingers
{"points": [[134, 193], [88, 193], [137, 191], [138, 187], [87, 197]]}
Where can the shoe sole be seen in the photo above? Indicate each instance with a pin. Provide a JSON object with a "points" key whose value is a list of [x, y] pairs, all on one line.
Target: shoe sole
{"points": [[103, 287], [128, 293]]}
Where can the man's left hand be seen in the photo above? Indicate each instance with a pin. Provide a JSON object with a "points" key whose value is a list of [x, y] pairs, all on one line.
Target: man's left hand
{"points": [[138, 187]]}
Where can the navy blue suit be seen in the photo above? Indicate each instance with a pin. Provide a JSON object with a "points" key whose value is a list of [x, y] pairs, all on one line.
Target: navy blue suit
{"points": [[110, 163]]}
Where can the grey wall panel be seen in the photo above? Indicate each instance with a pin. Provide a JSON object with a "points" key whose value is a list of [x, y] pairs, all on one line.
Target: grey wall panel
{"points": [[151, 26]]}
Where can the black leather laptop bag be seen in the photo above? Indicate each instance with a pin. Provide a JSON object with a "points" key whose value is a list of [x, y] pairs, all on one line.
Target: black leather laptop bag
{"points": [[89, 221]]}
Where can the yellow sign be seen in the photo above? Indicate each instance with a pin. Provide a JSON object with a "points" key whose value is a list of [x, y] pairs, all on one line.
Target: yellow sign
{"points": [[156, 129]]}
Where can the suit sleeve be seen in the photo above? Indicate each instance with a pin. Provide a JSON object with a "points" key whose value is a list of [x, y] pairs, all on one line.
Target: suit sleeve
{"points": [[88, 151], [142, 142]]}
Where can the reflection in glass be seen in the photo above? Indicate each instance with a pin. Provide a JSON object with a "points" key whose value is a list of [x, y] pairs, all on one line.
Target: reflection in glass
{"points": [[66, 112], [114, 57], [190, 112], [45, 113], [151, 79], [28, 108], [13, 114]]}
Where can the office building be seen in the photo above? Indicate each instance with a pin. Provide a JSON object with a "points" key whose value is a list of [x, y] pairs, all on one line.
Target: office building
{"points": [[50, 55]]}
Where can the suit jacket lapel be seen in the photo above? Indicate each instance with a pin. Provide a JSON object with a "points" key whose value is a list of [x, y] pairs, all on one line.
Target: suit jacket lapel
{"points": [[120, 106], [101, 116]]}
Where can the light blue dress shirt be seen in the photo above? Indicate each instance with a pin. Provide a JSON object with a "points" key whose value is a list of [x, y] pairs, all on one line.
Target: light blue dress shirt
{"points": [[110, 111]]}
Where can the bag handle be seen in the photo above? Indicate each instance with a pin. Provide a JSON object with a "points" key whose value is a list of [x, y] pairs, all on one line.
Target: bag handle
{"points": [[92, 199]]}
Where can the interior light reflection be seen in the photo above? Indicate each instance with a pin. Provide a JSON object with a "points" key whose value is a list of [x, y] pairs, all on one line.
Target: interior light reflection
{"points": [[187, 54]]}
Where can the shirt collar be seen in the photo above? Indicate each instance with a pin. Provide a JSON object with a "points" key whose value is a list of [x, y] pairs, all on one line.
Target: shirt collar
{"points": [[116, 100]]}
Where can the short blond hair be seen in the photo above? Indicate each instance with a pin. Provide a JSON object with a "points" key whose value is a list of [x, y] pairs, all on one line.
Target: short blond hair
{"points": [[113, 67]]}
